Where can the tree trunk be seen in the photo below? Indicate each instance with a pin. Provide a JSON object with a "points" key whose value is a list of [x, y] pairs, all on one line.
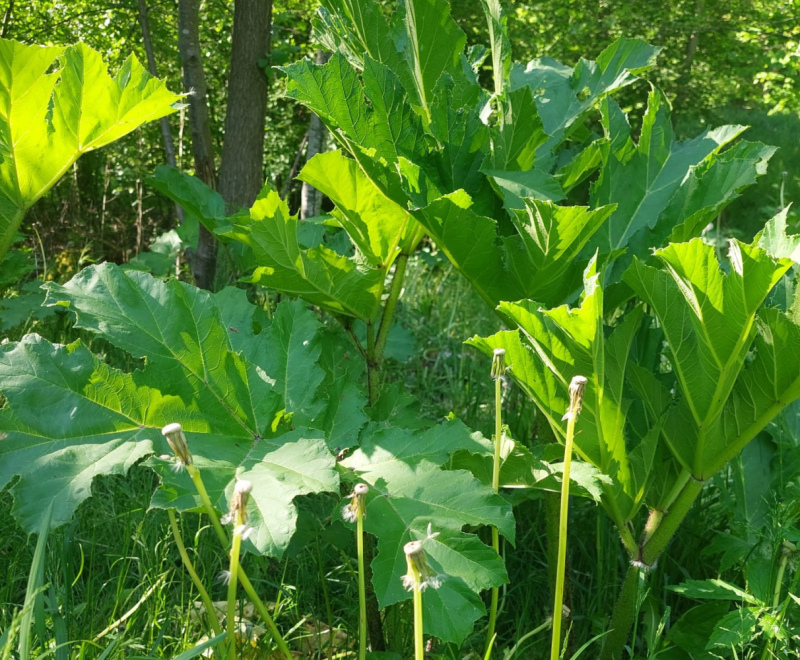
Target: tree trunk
{"points": [[682, 92], [166, 134], [241, 175], [194, 82], [310, 197]]}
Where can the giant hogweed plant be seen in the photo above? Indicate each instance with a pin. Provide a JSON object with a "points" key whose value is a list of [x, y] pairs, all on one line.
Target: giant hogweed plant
{"points": [[486, 174], [489, 175], [266, 399]]}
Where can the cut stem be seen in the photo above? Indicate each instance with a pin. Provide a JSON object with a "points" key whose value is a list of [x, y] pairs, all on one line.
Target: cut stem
{"points": [[194, 473], [498, 368], [419, 645], [236, 545], [555, 646], [576, 389], [207, 603], [362, 588]]}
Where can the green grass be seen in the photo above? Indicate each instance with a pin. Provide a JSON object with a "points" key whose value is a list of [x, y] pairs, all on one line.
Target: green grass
{"points": [[100, 566]]}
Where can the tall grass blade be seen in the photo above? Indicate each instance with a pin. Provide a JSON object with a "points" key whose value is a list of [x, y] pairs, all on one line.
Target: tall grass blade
{"points": [[35, 580]]}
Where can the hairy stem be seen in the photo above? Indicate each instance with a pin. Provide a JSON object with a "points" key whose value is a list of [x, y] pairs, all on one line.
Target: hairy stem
{"points": [[555, 645], [207, 603], [622, 619]]}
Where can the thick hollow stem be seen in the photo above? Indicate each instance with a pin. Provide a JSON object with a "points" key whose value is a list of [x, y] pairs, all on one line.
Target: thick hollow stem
{"points": [[662, 535], [651, 550], [362, 591], [555, 646], [207, 603], [622, 619], [236, 545], [262, 610]]}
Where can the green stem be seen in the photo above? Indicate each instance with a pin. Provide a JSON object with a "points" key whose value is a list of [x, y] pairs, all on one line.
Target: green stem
{"points": [[207, 603], [374, 358], [498, 437], [663, 534], [419, 645], [7, 237], [236, 545], [776, 598], [651, 550], [622, 619], [555, 646], [390, 306], [362, 589], [246, 584], [373, 367]]}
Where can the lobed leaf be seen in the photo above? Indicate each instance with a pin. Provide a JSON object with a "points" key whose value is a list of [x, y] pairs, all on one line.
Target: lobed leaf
{"points": [[47, 120], [409, 492]]}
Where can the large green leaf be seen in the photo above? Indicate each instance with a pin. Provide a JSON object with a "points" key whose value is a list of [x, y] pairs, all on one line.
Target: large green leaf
{"points": [[318, 275], [69, 418], [433, 43], [56, 104], [375, 224], [499, 42], [563, 94], [178, 330], [280, 469], [553, 346], [662, 186], [408, 492], [213, 362], [539, 262], [709, 322]]}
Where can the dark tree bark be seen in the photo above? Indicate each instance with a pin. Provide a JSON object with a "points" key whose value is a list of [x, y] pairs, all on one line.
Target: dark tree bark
{"points": [[7, 18], [241, 172], [166, 134], [194, 81], [310, 197]]}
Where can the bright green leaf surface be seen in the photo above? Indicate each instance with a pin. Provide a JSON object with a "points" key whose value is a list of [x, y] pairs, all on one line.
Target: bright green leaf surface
{"points": [[318, 275], [643, 182], [280, 469], [709, 322], [712, 590], [47, 120], [374, 223]]}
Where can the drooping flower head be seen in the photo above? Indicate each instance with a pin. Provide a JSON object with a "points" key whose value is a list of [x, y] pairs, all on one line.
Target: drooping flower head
{"points": [[357, 506], [577, 387], [237, 513], [420, 575], [177, 442]]}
